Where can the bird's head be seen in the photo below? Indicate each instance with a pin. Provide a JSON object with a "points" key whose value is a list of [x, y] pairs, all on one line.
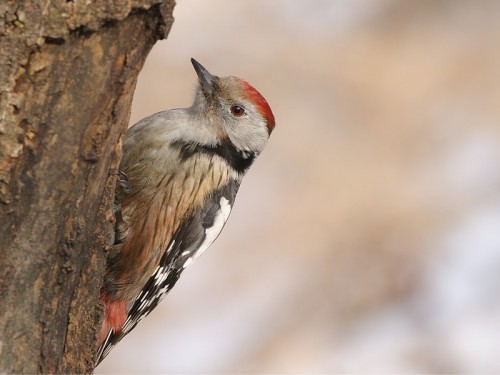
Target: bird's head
{"points": [[234, 109]]}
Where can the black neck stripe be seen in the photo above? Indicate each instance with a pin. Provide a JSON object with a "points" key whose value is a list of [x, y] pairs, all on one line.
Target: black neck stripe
{"points": [[237, 159]]}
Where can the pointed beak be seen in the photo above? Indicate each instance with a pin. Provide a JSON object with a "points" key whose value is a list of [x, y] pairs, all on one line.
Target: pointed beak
{"points": [[204, 77]]}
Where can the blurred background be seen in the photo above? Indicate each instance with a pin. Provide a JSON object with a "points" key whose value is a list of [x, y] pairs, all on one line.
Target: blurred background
{"points": [[366, 238]]}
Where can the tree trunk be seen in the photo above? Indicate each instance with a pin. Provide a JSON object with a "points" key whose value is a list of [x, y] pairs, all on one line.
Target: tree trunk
{"points": [[68, 69]]}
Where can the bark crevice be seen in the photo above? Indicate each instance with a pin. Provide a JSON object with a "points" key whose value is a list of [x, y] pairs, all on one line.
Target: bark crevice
{"points": [[69, 72]]}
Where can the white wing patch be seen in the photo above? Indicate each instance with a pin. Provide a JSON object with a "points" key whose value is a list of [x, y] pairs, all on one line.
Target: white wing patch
{"points": [[213, 232], [159, 284]]}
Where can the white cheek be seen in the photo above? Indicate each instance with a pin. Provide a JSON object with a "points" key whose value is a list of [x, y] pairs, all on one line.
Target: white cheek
{"points": [[249, 135]]}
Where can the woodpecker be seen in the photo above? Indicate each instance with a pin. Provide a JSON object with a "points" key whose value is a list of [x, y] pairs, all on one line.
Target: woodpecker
{"points": [[180, 172]]}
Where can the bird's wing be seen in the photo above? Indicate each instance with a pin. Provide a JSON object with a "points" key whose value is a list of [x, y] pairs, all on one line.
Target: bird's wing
{"points": [[191, 239]]}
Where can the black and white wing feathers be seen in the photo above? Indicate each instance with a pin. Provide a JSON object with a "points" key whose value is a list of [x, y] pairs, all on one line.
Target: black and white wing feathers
{"points": [[191, 239]]}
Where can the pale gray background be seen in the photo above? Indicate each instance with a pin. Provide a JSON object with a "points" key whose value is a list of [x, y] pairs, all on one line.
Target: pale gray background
{"points": [[366, 238]]}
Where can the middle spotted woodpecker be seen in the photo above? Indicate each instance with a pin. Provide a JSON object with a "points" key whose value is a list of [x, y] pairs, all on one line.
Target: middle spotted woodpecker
{"points": [[181, 170]]}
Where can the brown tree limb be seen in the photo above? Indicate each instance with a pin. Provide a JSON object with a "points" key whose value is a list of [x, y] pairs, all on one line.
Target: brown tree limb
{"points": [[68, 70]]}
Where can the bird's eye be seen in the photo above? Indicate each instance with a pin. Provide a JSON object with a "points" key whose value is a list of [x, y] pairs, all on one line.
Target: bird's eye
{"points": [[237, 110]]}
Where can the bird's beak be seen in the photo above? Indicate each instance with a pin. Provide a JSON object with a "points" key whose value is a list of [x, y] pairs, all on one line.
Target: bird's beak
{"points": [[204, 77]]}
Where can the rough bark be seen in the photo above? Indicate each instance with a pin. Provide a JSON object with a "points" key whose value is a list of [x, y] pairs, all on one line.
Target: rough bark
{"points": [[67, 74]]}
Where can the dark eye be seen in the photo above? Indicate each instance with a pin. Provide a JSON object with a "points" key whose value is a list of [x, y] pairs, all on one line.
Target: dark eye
{"points": [[237, 110]]}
